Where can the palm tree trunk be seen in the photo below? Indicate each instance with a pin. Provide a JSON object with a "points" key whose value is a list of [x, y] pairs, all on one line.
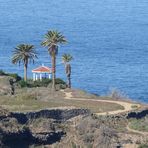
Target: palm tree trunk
{"points": [[25, 72], [68, 73], [69, 81], [53, 72]]}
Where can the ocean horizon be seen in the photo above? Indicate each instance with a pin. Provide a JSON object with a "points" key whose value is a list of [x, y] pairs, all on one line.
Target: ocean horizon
{"points": [[108, 40]]}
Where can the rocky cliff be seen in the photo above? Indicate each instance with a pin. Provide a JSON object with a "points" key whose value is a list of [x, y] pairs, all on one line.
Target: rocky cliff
{"points": [[41, 127]]}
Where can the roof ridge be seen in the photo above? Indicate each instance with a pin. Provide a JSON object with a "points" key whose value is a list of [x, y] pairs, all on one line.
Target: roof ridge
{"points": [[41, 68]]}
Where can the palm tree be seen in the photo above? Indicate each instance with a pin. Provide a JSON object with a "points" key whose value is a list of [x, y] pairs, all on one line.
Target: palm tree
{"points": [[66, 58], [52, 40], [24, 53]]}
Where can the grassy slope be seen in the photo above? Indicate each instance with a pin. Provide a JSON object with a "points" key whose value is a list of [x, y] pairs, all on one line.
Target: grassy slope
{"points": [[140, 125], [29, 102]]}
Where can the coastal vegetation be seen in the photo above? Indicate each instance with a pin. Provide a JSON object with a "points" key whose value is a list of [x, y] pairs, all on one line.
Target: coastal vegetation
{"points": [[32, 101], [13, 75], [44, 83], [52, 41], [24, 53], [88, 130], [143, 146], [139, 124], [37, 95], [31, 104]]}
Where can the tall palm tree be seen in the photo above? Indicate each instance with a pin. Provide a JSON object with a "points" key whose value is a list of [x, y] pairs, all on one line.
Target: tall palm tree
{"points": [[24, 53], [51, 41], [66, 58]]}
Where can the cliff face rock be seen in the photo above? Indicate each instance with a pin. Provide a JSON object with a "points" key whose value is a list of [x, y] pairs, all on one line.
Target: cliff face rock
{"points": [[6, 85], [56, 114], [41, 127], [58, 128]]}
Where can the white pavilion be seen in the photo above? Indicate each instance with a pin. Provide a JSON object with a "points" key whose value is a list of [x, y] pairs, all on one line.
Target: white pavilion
{"points": [[41, 72]]}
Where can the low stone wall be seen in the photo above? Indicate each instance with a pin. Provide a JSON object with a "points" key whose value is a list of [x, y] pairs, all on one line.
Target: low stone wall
{"points": [[57, 114]]}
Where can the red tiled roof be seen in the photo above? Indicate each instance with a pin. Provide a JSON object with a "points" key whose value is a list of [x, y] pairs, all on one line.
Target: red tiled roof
{"points": [[42, 69]]}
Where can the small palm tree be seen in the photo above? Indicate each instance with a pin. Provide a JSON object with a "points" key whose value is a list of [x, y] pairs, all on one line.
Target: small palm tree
{"points": [[52, 40], [66, 58], [24, 53]]}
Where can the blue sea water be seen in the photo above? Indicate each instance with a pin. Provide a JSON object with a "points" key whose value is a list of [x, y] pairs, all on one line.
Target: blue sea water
{"points": [[107, 38]]}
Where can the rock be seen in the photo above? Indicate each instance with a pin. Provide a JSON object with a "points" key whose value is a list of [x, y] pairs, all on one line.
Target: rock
{"points": [[42, 127], [6, 85], [56, 114], [138, 114]]}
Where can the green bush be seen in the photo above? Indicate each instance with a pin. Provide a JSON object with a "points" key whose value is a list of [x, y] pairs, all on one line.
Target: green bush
{"points": [[59, 81], [139, 124], [22, 83], [2, 73], [143, 146], [14, 75], [73, 145], [44, 83]]}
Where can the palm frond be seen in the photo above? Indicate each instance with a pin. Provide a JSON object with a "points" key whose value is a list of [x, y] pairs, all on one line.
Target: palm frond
{"points": [[66, 58], [24, 53], [52, 39]]}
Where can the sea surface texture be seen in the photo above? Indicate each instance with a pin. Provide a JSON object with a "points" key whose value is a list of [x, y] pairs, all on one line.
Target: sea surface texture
{"points": [[107, 38]]}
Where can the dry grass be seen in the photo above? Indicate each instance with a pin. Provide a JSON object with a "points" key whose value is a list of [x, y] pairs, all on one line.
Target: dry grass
{"points": [[140, 125], [29, 102]]}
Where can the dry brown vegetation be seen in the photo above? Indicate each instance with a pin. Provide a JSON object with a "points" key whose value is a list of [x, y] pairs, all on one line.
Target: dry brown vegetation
{"points": [[41, 98]]}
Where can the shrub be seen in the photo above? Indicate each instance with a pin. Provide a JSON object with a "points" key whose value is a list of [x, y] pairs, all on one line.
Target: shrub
{"points": [[22, 83], [2, 73], [143, 146], [14, 75], [141, 124], [117, 94], [27, 97], [134, 106], [73, 145], [43, 83], [59, 81]]}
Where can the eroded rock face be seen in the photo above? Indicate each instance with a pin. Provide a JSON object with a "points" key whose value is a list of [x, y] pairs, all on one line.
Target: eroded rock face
{"points": [[58, 128], [56, 114], [43, 127], [6, 85]]}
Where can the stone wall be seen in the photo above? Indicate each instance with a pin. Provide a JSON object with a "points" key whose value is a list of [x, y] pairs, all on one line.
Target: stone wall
{"points": [[57, 114]]}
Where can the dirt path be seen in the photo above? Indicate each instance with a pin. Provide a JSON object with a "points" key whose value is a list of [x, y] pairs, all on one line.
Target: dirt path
{"points": [[127, 106], [130, 146]]}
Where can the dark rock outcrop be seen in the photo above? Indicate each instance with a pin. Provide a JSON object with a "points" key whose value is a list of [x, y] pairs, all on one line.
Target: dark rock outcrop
{"points": [[57, 114], [43, 127], [7, 85], [138, 114]]}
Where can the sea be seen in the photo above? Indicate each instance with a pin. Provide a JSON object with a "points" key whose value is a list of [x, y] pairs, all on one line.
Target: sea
{"points": [[108, 40]]}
